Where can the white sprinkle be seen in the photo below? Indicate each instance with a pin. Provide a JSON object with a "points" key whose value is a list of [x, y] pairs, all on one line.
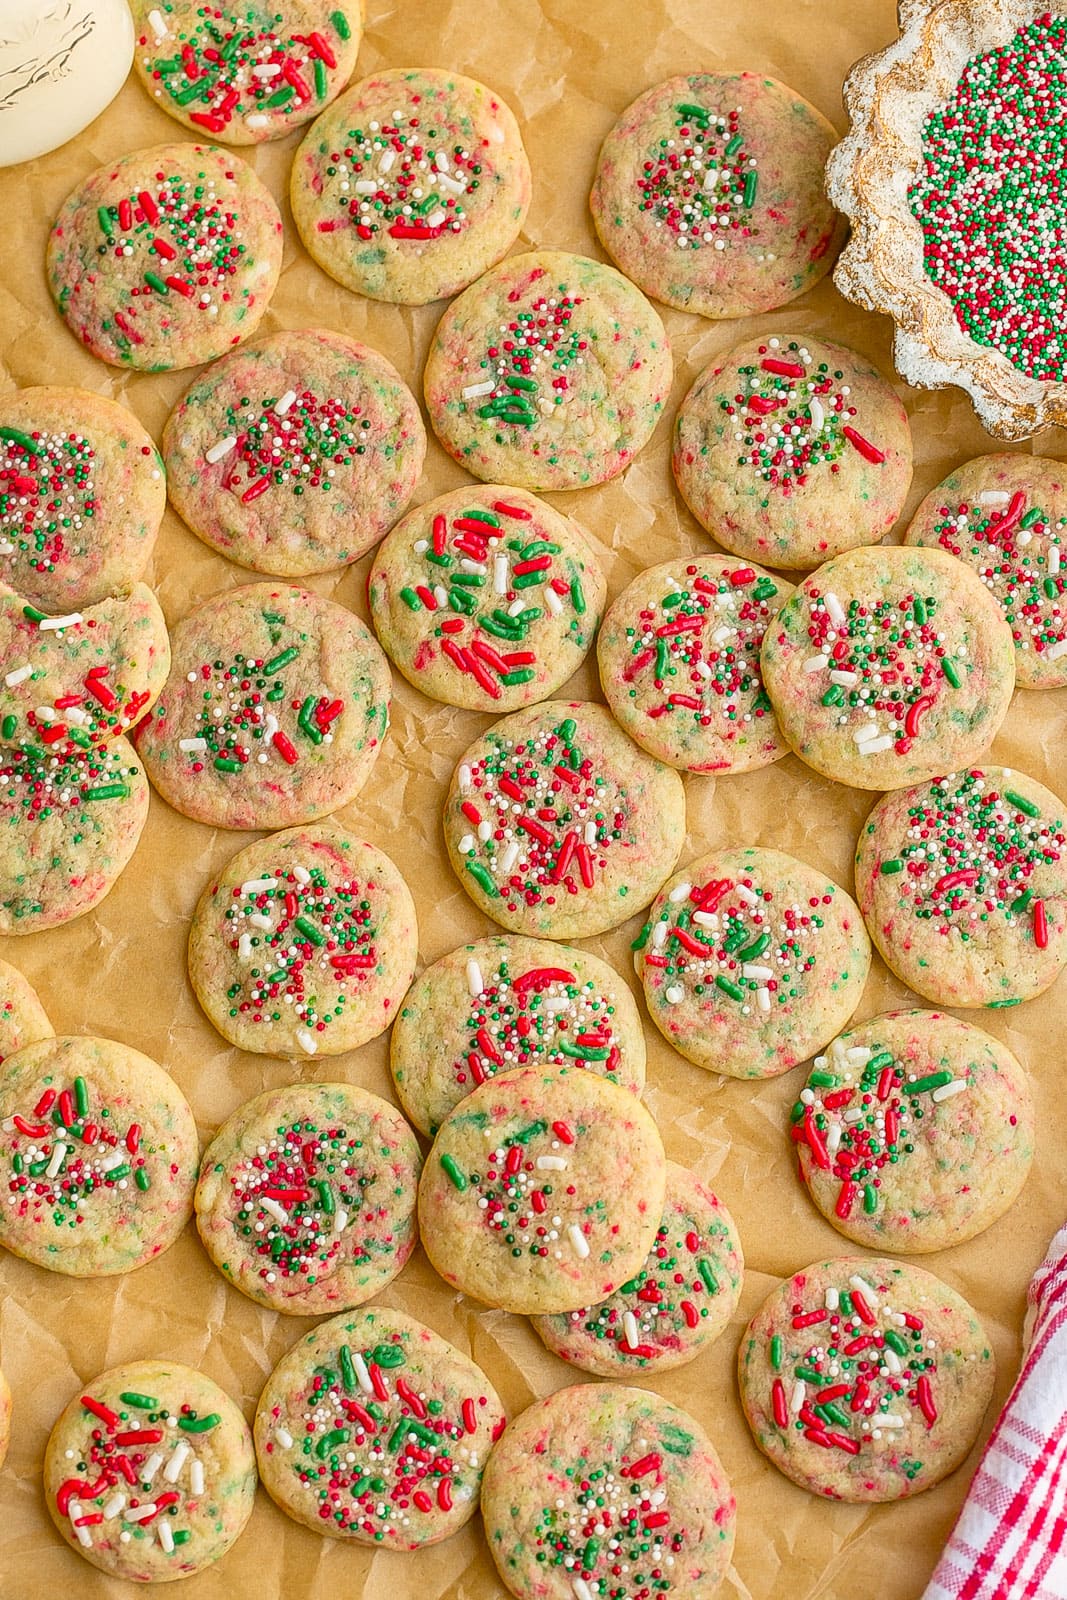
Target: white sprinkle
{"points": [[581, 1589], [52, 624], [466, 843], [302, 875], [340, 1220], [1055, 651], [817, 415], [273, 1209], [257, 885], [306, 1042], [702, 668], [56, 1162], [858, 1055], [157, 24], [816, 663], [551, 1164], [749, 896], [833, 1137], [284, 1438], [1054, 560], [19, 675], [508, 856], [752, 969], [45, 713], [711, 178], [869, 731], [681, 891], [874, 747], [366, 186], [257, 120], [474, 391], [244, 947], [890, 1420], [516, 606], [703, 919], [361, 1373], [166, 1538], [590, 832], [192, 746], [579, 1242], [796, 1399], [674, 994], [856, 1282], [947, 1090], [266, 69], [151, 1467], [114, 1158], [173, 1469], [112, 1507], [287, 401], [75, 1510], [834, 609], [994, 497], [763, 999], [464, 778], [387, 161], [445, 180], [440, 161], [220, 449], [845, 678], [553, 601], [500, 574], [475, 982], [142, 1512], [892, 1360], [196, 1476], [630, 1329], [832, 1299], [435, 219]]}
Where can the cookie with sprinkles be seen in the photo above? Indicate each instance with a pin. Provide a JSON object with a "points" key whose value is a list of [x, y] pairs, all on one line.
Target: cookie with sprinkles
{"points": [[306, 1199], [887, 666], [865, 1380], [709, 194], [543, 1191], [304, 944], [375, 1429], [679, 656], [550, 372], [505, 1003], [604, 1490], [165, 257], [150, 1473], [963, 886], [23, 1019], [294, 454], [751, 960], [99, 1153], [82, 494], [486, 597], [89, 674], [274, 712], [681, 1299], [914, 1132], [1006, 516], [412, 185], [790, 450], [557, 826], [71, 814], [249, 71]]}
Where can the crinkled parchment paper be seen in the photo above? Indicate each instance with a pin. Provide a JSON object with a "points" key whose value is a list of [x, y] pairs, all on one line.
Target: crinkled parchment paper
{"points": [[567, 67]]}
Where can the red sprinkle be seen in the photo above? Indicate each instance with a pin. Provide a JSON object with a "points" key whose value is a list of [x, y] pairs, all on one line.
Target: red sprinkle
{"points": [[867, 450]]}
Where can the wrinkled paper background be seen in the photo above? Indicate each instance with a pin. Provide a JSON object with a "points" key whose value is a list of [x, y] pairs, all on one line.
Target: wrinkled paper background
{"points": [[567, 67]]}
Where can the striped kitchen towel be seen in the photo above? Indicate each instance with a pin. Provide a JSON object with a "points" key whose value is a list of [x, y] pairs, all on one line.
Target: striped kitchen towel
{"points": [[1010, 1542]]}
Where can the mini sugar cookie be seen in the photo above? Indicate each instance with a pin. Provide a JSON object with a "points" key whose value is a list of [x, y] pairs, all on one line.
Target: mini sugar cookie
{"points": [[556, 825], [504, 1003], [385, 1417], [751, 960], [99, 1154], [294, 454], [1006, 516], [82, 495], [865, 1380], [246, 71], [963, 886], [150, 1474], [679, 1301], [70, 818], [96, 672], [22, 1016], [709, 194], [412, 186], [790, 450], [888, 666], [602, 1475], [486, 598], [274, 712], [914, 1132], [550, 372], [304, 944], [679, 656], [165, 257], [543, 1191], [306, 1199]]}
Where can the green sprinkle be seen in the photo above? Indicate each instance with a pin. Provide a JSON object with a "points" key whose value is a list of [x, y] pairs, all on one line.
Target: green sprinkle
{"points": [[751, 185], [642, 938], [589, 1554], [698, 112], [870, 1198], [33, 614], [457, 1177], [949, 669], [733, 145], [308, 929], [582, 1052], [833, 696], [1020, 802], [479, 514], [348, 1371], [8, 726], [566, 730], [200, 1424], [340, 22], [808, 1375], [932, 1080], [103, 217], [81, 1097], [756, 948], [278, 662], [822, 1080], [320, 78], [143, 1402], [578, 597], [182, 1536], [460, 600], [225, 764], [279, 97], [110, 791], [155, 282], [529, 1132], [1023, 900], [918, 610], [520, 675], [999, 1005], [326, 1199], [776, 1352], [515, 381], [711, 1282], [734, 990], [888, 868], [483, 879], [336, 1436], [142, 1180], [893, 1339], [411, 599]]}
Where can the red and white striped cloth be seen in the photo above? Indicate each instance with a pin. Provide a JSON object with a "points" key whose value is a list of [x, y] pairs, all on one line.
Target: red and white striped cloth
{"points": [[1010, 1542]]}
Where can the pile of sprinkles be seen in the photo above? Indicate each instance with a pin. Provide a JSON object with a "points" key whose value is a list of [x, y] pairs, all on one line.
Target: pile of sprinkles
{"points": [[791, 415], [48, 496], [542, 818], [528, 368], [187, 238], [656, 1310], [991, 199], [861, 1111], [545, 1016], [1017, 553], [885, 665], [701, 182], [302, 946], [730, 942], [699, 647], [243, 703], [120, 1480], [295, 441], [611, 1531], [404, 177], [379, 1451], [97, 710], [523, 1195], [230, 64], [484, 592], [63, 1156], [304, 1202], [968, 855], [856, 1371]]}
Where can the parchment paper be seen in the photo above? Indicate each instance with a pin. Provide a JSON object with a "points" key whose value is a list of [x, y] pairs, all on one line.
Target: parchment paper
{"points": [[567, 67]]}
